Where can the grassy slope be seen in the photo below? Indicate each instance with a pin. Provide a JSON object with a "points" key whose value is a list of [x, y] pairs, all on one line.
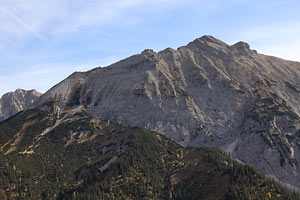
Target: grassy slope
{"points": [[86, 158]]}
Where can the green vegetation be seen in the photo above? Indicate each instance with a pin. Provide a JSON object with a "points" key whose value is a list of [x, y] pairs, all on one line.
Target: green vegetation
{"points": [[76, 156], [292, 86], [269, 108]]}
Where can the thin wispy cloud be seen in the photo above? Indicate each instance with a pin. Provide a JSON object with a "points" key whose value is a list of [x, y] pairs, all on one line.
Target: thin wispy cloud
{"points": [[22, 23], [22, 18]]}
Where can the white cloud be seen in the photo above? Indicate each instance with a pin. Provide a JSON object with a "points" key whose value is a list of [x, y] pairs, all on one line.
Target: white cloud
{"points": [[278, 39], [281, 30], [43, 76], [38, 79], [289, 50]]}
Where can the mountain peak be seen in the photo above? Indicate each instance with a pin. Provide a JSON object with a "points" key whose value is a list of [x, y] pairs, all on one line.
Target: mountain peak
{"points": [[19, 91], [14, 102], [241, 46], [207, 43], [209, 39], [148, 53]]}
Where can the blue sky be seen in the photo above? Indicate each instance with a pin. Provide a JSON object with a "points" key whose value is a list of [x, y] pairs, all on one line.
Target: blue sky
{"points": [[43, 41]]}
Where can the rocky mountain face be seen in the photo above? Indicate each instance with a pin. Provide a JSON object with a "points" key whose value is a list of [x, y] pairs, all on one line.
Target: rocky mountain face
{"points": [[48, 153], [14, 102], [207, 93]]}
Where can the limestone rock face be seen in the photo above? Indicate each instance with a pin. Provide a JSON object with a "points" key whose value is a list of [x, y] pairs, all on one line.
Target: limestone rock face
{"points": [[14, 102], [207, 93]]}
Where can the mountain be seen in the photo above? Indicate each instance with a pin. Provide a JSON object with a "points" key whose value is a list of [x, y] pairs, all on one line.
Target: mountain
{"points": [[14, 102], [49, 153], [207, 93]]}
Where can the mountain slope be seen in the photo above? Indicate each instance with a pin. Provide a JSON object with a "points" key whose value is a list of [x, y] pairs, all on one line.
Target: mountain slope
{"points": [[14, 102], [207, 93], [46, 153]]}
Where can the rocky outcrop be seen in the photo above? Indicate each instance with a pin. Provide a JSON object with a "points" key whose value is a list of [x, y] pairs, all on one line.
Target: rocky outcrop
{"points": [[207, 93], [14, 102]]}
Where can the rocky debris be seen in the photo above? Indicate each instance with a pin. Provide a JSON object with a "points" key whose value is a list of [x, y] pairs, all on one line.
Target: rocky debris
{"points": [[14, 102], [207, 93]]}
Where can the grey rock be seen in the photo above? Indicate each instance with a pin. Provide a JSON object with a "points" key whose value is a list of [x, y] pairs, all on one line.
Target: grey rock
{"points": [[207, 93], [14, 102]]}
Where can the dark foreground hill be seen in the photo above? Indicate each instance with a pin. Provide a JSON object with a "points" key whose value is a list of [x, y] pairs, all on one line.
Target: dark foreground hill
{"points": [[46, 153]]}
